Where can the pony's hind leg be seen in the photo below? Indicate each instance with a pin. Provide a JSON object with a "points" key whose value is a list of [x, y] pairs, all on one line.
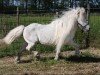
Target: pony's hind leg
{"points": [[22, 49], [29, 46], [36, 53]]}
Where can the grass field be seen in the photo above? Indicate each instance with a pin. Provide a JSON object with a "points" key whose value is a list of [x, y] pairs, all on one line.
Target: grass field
{"points": [[87, 63]]}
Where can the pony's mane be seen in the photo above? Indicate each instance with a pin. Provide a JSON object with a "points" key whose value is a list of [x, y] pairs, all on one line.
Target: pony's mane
{"points": [[67, 13], [70, 11]]}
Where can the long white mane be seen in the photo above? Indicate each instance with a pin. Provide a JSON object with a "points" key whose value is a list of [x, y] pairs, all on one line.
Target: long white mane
{"points": [[62, 22]]}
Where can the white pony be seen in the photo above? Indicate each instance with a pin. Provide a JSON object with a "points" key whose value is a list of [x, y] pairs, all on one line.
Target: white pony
{"points": [[59, 32]]}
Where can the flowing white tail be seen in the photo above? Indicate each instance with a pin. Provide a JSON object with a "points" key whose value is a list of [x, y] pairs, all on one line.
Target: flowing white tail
{"points": [[11, 36]]}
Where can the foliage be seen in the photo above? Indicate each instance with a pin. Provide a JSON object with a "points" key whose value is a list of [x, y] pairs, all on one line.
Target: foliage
{"points": [[48, 5]]}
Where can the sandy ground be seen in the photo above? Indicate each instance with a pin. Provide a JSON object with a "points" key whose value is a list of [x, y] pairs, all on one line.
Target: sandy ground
{"points": [[68, 64]]}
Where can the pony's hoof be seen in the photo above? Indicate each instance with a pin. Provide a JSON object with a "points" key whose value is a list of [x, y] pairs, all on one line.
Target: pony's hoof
{"points": [[36, 55], [55, 59], [17, 60], [37, 58]]}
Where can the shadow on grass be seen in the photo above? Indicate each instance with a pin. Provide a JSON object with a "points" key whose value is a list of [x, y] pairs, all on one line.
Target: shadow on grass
{"points": [[24, 61], [45, 59], [83, 58], [73, 58]]}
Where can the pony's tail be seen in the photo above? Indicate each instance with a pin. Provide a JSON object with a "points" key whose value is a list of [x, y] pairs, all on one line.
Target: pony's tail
{"points": [[12, 35]]}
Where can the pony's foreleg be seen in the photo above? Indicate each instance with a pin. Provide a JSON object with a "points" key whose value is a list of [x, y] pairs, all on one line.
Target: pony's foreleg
{"points": [[76, 46], [58, 48], [23, 48]]}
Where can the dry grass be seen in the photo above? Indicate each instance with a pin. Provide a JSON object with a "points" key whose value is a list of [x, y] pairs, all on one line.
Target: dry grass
{"points": [[88, 63]]}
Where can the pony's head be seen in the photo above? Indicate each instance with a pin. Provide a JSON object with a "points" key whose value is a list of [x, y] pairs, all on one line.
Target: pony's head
{"points": [[82, 20]]}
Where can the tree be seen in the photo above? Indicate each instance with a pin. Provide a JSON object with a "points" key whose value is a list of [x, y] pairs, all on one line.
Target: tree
{"points": [[1, 6], [24, 4]]}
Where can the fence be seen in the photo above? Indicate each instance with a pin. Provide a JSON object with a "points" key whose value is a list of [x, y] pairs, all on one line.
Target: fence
{"points": [[9, 21]]}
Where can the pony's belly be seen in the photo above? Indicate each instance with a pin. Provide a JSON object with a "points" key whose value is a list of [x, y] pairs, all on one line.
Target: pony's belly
{"points": [[48, 39], [46, 36]]}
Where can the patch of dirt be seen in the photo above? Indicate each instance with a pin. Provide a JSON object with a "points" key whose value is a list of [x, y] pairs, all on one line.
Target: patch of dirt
{"points": [[68, 64]]}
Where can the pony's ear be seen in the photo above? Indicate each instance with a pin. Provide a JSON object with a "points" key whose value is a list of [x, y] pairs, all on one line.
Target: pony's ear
{"points": [[83, 9], [78, 10]]}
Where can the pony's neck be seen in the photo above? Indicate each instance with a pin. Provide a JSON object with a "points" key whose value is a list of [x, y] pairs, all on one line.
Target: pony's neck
{"points": [[70, 22]]}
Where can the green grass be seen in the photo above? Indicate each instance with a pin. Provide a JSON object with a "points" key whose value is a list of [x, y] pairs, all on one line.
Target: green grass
{"points": [[8, 22], [95, 30]]}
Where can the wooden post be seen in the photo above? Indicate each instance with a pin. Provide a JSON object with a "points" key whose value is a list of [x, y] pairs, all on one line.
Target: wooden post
{"points": [[70, 3], [88, 33], [17, 16]]}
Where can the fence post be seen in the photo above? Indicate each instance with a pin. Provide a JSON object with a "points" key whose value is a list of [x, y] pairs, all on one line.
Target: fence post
{"points": [[88, 33], [17, 15]]}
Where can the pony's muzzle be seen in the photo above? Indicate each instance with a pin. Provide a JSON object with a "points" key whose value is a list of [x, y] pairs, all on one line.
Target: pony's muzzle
{"points": [[86, 28]]}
